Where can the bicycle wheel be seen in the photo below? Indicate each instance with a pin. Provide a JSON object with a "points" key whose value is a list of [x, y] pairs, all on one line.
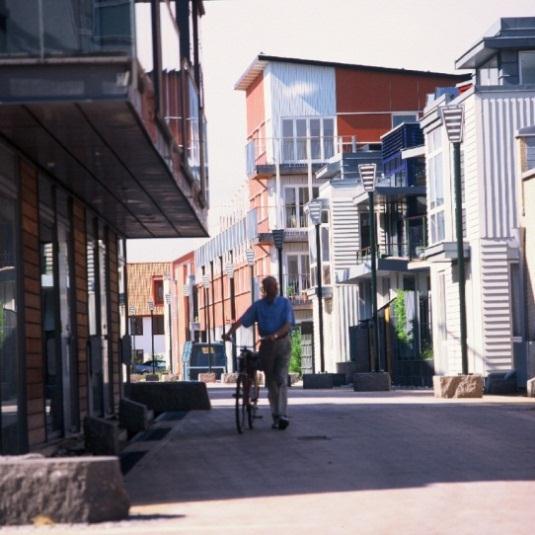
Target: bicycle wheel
{"points": [[240, 406], [252, 406]]}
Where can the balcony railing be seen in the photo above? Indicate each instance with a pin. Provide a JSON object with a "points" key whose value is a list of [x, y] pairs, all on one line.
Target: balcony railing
{"points": [[295, 288], [409, 251], [300, 150]]}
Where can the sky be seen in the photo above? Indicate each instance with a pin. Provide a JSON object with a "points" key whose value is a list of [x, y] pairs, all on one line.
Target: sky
{"points": [[411, 34]]}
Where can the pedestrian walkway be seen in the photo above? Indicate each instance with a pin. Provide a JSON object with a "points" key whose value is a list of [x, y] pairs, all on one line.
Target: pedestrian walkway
{"points": [[382, 463]]}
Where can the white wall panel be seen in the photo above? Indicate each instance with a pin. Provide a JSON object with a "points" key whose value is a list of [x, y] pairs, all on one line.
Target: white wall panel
{"points": [[299, 91]]}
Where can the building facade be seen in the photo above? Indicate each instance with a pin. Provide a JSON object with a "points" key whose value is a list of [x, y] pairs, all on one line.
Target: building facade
{"points": [[89, 157], [500, 103]]}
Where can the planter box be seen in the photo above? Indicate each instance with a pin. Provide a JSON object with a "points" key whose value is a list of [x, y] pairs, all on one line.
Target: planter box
{"points": [[372, 382], [208, 377], [458, 386], [317, 381], [172, 396]]}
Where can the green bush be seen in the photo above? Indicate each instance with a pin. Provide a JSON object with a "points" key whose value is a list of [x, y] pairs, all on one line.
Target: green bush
{"points": [[295, 354]]}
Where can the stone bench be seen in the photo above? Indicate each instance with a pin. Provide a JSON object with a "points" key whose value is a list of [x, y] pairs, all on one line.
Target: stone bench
{"points": [[61, 490], [170, 396], [458, 386]]}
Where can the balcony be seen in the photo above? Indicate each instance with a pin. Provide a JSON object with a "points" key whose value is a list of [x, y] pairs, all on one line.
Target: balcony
{"points": [[296, 153], [75, 98], [295, 289]]}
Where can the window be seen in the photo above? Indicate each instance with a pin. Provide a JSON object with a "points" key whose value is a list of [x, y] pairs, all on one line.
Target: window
{"points": [[137, 325], [488, 72], [437, 229], [526, 60], [297, 132], [298, 273], [158, 324], [325, 255], [295, 198], [399, 118], [9, 309], [157, 291]]}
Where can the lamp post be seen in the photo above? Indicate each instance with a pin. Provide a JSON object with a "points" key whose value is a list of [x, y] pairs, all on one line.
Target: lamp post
{"points": [[150, 304], [132, 323], [229, 270], [314, 213], [221, 269], [168, 301], [278, 240], [206, 285], [368, 175], [452, 117], [249, 254]]}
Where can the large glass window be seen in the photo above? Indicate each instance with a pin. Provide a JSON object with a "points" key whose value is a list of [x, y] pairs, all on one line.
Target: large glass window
{"points": [[298, 273], [298, 134], [437, 229], [9, 307], [65, 27], [526, 60], [295, 199]]}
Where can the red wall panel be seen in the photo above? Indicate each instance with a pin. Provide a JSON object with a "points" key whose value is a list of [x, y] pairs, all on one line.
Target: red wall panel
{"points": [[255, 104]]}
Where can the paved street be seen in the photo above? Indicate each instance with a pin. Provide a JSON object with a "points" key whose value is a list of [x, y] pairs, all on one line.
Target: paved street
{"points": [[399, 462]]}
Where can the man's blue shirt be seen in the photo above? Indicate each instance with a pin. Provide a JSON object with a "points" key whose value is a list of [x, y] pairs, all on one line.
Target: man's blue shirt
{"points": [[270, 315]]}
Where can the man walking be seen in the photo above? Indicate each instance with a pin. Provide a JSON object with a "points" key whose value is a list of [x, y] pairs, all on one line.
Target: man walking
{"points": [[275, 318]]}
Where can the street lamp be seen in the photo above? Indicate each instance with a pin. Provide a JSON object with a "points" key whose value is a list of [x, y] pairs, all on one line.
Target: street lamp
{"points": [[132, 322], [168, 301], [229, 270], [368, 175], [452, 116], [206, 285], [314, 213], [150, 304], [278, 240], [249, 254]]}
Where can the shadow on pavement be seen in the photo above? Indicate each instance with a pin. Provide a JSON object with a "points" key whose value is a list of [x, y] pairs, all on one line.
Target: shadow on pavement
{"points": [[352, 444]]}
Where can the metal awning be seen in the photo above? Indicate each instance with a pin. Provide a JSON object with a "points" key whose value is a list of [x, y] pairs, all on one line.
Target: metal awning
{"points": [[100, 148]]}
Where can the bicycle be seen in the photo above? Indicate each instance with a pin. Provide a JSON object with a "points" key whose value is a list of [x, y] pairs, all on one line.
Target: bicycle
{"points": [[247, 389]]}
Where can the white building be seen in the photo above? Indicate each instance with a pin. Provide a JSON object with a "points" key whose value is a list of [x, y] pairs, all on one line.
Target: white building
{"points": [[499, 104]]}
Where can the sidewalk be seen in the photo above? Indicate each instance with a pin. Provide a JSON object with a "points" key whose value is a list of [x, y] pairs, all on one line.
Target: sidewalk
{"points": [[382, 463]]}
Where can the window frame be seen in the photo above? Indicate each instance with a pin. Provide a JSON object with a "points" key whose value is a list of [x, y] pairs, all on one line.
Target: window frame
{"points": [[295, 143], [435, 210]]}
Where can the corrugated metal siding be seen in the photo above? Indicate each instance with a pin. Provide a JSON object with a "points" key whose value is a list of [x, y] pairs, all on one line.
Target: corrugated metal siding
{"points": [[472, 191], [502, 116], [345, 232], [346, 315], [299, 91], [495, 306]]}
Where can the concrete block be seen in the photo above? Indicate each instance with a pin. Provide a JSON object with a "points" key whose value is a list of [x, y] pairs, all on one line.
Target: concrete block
{"points": [[501, 383], [207, 377], [152, 377], [133, 416], [458, 386], [102, 437], [317, 380], [229, 378], [530, 387], [348, 369], [371, 382], [170, 396], [61, 490]]}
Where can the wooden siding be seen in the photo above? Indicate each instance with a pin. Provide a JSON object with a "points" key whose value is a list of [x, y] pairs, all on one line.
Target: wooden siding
{"points": [[140, 277], [345, 232], [501, 117], [82, 319], [32, 310], [115, 327]]}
